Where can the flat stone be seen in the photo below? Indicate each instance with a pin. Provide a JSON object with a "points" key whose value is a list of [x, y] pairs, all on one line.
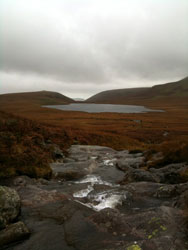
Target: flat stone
{"points": [[135, 175], [126, 164], [70, 171]]}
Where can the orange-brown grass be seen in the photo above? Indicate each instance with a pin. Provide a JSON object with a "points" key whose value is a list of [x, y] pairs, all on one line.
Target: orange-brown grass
{"points": [[30, 125], [119, 131], [26, 147], [172, 152]]}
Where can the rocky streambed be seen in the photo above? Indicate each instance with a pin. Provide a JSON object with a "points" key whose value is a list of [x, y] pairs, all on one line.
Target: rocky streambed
{"points": [[98, 199]]}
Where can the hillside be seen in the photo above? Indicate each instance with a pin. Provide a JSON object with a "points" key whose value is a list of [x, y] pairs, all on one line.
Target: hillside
{"points": [[173, 89], [30, 104], [117, 95], [169, 92], [41, 98]]}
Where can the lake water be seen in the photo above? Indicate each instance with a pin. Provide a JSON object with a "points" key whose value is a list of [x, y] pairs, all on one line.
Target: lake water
{"points": [[99, 108]]}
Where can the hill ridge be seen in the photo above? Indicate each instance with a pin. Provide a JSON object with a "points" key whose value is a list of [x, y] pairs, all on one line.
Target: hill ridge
{"points": [[43, 97], [177, 90]]}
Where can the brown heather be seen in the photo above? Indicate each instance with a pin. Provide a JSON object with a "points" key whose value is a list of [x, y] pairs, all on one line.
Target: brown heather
{"points": [[25, 125]]}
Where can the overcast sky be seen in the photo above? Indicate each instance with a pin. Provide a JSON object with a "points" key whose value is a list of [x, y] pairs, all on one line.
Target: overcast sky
{"points": [[81, 47]]}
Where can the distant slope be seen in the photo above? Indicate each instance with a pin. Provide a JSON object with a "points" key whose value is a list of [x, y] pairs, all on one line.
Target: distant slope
{"points": [[117, 95], [79, 99], [175, 91], [40, 98]]}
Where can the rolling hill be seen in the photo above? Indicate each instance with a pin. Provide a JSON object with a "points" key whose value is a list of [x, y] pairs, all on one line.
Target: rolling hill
{"points": [[173, 89], [117, 95], [169, 92], [30, 104], [40, 98]]}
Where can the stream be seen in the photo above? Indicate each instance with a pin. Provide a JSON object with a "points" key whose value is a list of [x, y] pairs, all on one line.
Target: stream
{"points": [[98, 188], [102, 199]]}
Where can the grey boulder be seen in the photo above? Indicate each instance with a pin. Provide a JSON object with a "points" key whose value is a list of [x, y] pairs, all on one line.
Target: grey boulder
{"points": [[9, 205]]}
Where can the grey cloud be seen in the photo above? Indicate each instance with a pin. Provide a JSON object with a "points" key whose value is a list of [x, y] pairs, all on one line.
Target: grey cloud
{"points": [[19, 82], [47, 52], [89, 46]]}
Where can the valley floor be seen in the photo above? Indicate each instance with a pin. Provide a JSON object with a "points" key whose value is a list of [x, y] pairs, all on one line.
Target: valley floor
{"points": [[119, 131]]}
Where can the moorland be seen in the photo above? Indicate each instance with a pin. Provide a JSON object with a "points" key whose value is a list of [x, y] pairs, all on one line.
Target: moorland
{"points": [[23, 119], [60, 192], [163, 131]]}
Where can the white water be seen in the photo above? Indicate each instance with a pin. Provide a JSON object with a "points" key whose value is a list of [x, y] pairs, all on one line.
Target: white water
{"points": [[98, 201], [83, 193], [104, 200], [109, 162], [107, 201], [93, 179]]}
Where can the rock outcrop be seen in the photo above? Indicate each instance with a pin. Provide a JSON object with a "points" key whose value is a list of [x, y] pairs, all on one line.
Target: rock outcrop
{"points": [[10, 205], [101, 199], [13, 233]]}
